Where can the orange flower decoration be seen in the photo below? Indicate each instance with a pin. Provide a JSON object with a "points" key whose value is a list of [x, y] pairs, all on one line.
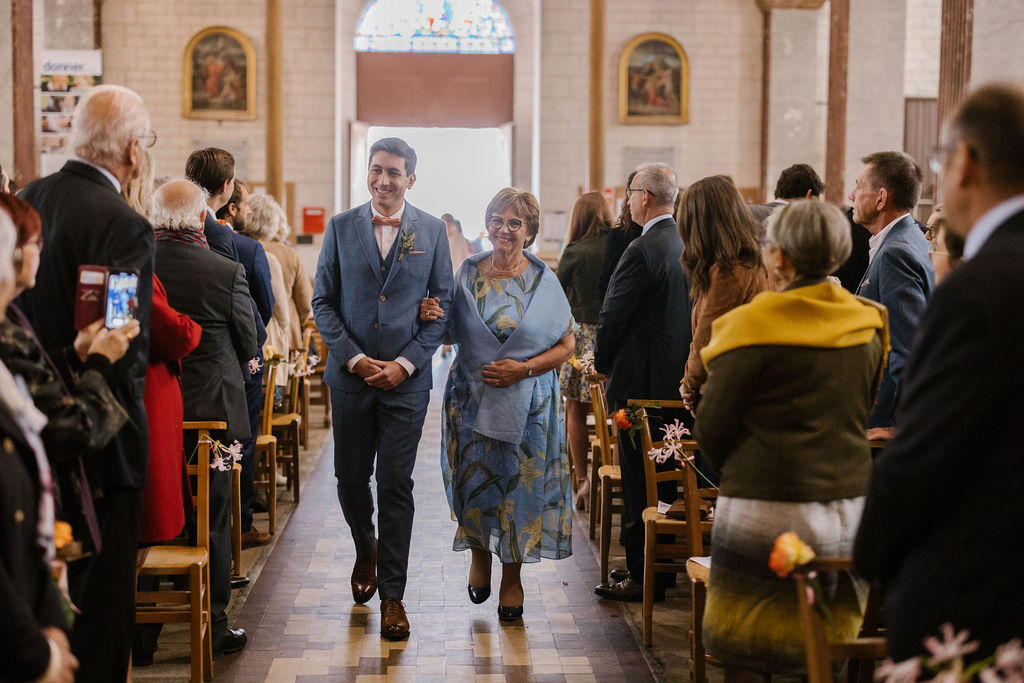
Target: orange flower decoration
{"points": [[622, 420], [62, 534], [789, 553]]}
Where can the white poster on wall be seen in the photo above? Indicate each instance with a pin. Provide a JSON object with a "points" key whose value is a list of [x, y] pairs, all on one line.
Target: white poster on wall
{"points": [[65, 75]]}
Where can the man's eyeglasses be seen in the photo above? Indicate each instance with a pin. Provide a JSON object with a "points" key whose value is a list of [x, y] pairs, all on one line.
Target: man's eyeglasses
{"points": [[497, 222], [631, 190], [938, 156], [148, 140]]}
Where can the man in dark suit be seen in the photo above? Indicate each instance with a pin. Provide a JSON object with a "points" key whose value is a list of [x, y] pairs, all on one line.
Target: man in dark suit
{"points": [[941, 526], [85, 221], [643, 338], [799, 181], [391, 255], [899, 274], [211, 290], [213, 169]]}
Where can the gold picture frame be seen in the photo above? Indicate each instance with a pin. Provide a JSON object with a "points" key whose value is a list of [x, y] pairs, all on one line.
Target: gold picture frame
{"points": [[219, 75], [654, 81]]}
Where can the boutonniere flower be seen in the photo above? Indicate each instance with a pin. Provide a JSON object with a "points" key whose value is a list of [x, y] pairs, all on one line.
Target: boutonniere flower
{"points": [[406, 241]]}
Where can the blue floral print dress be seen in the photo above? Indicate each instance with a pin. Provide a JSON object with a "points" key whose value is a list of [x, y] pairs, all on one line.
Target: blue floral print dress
{"points": [[512, 499]]}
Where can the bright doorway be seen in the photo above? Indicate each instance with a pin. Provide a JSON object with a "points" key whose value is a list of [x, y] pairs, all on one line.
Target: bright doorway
{"points": [[458, 170]]}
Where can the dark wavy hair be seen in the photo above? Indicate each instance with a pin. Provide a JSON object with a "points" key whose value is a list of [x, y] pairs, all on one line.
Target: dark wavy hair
{"points": [[717, 229]]}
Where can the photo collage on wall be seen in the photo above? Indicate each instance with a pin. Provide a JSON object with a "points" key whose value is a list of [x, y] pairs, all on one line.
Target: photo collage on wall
{"points": [[64, 78]]}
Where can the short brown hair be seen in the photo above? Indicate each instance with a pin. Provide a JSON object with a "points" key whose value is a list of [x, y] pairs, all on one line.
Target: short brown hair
{"points": [[991, 122], [522, 203], [210, 168], [591, 216], [899, 174], [236, 198]]}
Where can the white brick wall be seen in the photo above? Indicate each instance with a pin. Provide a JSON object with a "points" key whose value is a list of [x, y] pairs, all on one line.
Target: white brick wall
{"points": [[924, 34], [723, 43], [144, 44], [998, 52]]}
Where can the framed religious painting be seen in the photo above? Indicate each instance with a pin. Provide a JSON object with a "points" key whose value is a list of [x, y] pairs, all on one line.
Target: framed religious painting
{"points": [[219, 75], [654, 81]]}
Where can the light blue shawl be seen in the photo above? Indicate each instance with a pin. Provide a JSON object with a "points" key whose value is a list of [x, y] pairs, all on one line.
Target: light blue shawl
{"points": [[503, 410]]}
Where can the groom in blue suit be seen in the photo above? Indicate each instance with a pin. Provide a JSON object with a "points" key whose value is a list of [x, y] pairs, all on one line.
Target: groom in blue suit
{"points": [[378, 261]]}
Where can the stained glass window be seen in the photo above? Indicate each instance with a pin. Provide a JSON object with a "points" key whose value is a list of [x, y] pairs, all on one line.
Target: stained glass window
{"points": [[473, 26]]}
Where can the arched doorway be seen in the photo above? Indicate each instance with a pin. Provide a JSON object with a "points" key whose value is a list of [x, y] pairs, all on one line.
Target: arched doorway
{"points": [[439, 73]]}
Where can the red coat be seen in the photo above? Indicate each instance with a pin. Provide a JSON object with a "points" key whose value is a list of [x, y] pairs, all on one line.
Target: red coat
{"points": [[172, 336]]}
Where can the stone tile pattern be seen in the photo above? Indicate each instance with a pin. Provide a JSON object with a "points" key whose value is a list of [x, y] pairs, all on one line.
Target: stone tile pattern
{"points": [[304, 626]]}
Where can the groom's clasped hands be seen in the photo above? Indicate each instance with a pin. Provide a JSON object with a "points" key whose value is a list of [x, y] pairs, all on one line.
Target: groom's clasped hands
{"points": [[380, 374]]}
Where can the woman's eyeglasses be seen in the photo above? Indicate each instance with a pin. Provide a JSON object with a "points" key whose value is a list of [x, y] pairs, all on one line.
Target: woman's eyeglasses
{"points": [[497, 222]]}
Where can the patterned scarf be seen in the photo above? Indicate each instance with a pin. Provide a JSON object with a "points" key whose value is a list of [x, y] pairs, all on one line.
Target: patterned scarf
{"points": [[187, 235]]}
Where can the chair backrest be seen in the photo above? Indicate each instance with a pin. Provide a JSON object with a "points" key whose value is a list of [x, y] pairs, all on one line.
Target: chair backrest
{"points": [[820, 652], [602, 423], [269, 384], [295, 379], [200, 469], [685, 477]]}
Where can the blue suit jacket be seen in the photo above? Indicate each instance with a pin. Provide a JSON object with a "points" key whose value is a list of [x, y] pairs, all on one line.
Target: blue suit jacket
{"points": [[257, 273], [359, 309], [901, 278]]}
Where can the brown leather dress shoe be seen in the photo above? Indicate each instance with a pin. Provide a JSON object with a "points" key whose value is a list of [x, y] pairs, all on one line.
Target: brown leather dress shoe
{"points": [[254, 537], [364, 577], [394, 625]]}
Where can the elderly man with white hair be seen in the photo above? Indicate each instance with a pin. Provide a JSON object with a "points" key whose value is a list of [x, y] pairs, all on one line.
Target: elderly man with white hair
{"points": [[86, 222], [212, 290]]}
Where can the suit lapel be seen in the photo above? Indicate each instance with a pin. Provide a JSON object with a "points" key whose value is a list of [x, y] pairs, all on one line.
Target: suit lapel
{"points": [[364, 232], [900, 225]]}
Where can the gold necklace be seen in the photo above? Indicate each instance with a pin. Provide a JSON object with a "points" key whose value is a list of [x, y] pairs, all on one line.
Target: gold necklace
{"points": [[511, 271]]}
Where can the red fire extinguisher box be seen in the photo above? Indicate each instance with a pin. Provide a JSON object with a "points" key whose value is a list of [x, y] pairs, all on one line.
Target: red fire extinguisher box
{"points": [[313, 219]]}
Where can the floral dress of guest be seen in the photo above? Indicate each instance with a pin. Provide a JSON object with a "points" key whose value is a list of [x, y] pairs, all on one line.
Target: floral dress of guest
{"points": [[512, 499]]}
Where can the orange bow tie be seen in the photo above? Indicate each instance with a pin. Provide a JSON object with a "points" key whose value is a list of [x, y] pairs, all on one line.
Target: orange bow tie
{"points": [[393, 222]]}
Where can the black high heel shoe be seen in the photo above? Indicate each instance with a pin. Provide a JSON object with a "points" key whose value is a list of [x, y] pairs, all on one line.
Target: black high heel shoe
{"points": [[510, 613], [478, 595]]}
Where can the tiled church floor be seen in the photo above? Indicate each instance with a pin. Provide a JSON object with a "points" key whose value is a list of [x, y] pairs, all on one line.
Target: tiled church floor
{"points": [[304, 626]]}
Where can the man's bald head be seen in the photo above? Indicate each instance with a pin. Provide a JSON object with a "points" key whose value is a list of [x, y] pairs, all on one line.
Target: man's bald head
{"points": [[106, 121], [178, 205]]}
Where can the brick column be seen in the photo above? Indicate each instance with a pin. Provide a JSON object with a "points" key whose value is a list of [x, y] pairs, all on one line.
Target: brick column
{"points": [[23, 93], [596, 157], [955, 54], [835, 131]]}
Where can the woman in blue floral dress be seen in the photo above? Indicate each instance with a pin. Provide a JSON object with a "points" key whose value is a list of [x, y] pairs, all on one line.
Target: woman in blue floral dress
{"points": [[504, 460]]}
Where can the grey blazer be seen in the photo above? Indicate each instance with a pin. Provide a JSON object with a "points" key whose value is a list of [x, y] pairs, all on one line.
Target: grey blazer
{"points": [[211, 290], [367, 304], [900, 277]]}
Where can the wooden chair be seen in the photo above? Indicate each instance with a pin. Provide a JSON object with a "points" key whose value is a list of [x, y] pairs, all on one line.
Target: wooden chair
{"points": [[302, 400], [236, 520], [869, 647], [191, 606], [285, 427], [668, 557], [609, 475], [322, 396], [266, 449]]}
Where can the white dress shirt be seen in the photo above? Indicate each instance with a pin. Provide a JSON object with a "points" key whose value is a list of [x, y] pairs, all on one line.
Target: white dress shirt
{"points": [[988, 223], [386, 234], [875, 241], [648, 224]]}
